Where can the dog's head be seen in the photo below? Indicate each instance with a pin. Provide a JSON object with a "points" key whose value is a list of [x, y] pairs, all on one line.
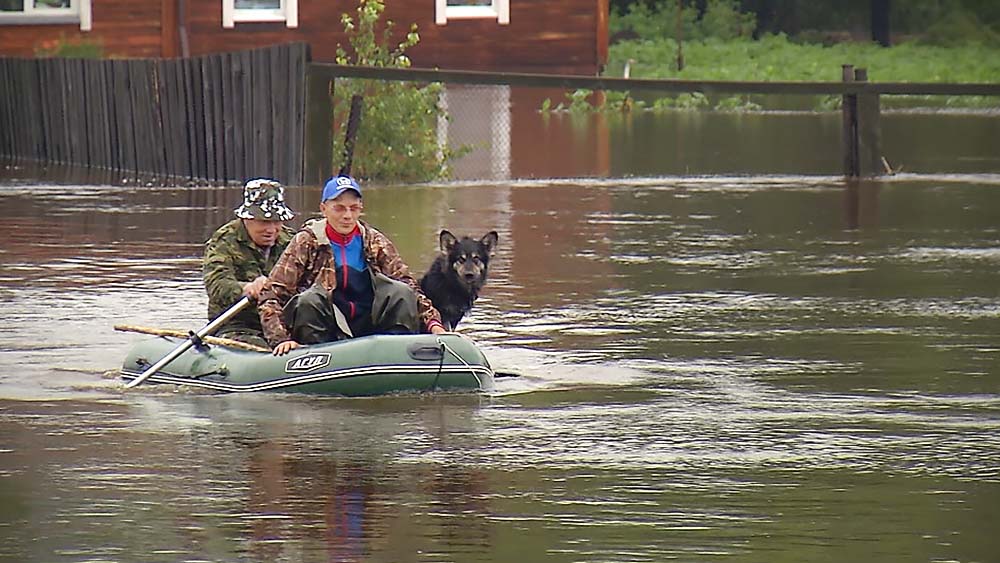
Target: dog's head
{"points": [[469, 258]]}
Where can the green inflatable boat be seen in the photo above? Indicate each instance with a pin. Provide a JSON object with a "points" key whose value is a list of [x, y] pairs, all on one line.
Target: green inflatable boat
{"points": [[372, 365]]}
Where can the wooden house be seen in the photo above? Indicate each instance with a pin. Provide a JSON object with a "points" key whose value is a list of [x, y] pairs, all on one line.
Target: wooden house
{"points": [[555, 36]]}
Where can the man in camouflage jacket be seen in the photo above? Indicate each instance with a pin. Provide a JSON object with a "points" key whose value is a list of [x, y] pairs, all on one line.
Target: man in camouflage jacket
{"points": [[340, 278], [241, 253]]}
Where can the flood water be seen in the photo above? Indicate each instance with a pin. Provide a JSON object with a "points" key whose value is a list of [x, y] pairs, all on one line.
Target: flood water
{"points": [[714, 369]]}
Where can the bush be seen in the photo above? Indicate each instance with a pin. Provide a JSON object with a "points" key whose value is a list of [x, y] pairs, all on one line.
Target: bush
{"points": [[397, 137], [652, 22], [722, 20], [959, 28]]}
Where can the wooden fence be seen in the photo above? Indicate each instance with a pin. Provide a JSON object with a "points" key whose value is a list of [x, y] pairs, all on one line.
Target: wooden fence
{"points": [[268, 112], [219, 118], [861, 145]]}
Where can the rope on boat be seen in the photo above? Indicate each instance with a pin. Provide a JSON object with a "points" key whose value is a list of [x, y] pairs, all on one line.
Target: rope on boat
{"points": [[444, 346], [434, 383]]}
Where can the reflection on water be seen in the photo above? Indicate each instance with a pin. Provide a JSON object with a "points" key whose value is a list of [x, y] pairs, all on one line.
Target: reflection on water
{"points": [[747, 369], [522, 142]]}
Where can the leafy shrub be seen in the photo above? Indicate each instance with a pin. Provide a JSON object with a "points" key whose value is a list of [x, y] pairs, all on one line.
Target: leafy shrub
{"points": [[958, 28], [722, 20], [737, 104], [691, 100], [579, 100], [947, 22], [397, 137], [653, 21]]}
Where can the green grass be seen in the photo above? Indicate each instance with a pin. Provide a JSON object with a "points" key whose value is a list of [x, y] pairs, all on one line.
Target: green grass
{"points": [[775, 58]]}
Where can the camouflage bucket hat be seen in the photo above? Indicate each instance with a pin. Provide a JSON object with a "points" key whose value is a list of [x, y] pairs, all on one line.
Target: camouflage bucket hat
{"points": [[264, 199]]}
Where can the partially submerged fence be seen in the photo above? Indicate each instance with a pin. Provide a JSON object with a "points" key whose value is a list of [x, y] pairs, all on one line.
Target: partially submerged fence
{"points": [[861, 145], [219, 118], [267, 112]]}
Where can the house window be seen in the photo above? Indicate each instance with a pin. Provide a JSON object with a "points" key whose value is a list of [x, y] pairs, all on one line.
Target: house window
{"points": [[445, 10], [45, 12], [241, 11]]}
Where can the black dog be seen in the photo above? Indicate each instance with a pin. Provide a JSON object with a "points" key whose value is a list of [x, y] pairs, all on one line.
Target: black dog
{"points": [[455, 278]]}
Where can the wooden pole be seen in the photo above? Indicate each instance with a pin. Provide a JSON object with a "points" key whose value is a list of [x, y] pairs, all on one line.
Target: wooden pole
{"points": [[214, 340], [849, 113], [680, 36], [869, 133], [880, 22], [351, 135], [319, 128]]}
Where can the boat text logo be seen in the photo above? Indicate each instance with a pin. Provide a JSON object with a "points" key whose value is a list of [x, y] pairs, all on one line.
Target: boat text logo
{"points": [[306, 363]]}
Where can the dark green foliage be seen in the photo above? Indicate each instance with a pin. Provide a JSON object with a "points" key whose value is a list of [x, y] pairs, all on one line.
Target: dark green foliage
{"points": [[720, 18], [956, 43], [959, 28], [941, 22]]}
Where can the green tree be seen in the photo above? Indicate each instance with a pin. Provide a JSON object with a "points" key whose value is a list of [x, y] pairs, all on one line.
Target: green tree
{"points": [[397, 138], [932, 21], [720, 19]]}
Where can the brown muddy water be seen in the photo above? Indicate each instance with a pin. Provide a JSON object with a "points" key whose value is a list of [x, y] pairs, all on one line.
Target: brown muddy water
{"points": [[716, 369]]}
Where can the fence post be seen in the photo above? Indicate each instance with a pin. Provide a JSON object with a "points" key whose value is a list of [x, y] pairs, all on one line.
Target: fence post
{"points": [[869, 129], [319, 128], [849, 113]]}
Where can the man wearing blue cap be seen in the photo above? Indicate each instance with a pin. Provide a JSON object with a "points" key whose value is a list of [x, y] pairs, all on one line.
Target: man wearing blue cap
{"points": [[341, 278]]}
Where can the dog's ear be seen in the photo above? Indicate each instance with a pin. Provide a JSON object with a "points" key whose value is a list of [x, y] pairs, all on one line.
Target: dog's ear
{"points": [[446, 240], [490, 241]]}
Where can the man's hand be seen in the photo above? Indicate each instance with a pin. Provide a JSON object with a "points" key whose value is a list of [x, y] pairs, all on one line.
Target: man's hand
{"points": [[285, 347], [252, 289]]}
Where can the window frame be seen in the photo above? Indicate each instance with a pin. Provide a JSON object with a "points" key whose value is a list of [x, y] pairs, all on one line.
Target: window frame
{"points": [[79, 11], [499, 10], [287, 11]]}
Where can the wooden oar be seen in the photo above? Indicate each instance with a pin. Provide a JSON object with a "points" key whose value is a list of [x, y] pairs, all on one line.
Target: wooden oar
{"points": [[214, 340], [205, 331]]}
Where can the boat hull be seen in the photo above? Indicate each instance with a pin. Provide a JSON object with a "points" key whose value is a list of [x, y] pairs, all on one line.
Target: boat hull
{"points": [[368, 366]]}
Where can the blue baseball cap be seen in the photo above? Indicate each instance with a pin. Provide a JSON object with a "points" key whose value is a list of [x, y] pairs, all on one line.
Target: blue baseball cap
{"points": [[338, 185]]}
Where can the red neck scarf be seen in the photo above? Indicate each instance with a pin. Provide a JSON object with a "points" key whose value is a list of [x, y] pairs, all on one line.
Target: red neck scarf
{"points": [[338, 238]]}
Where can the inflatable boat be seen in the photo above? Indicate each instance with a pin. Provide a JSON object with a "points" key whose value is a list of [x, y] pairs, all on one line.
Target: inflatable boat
{"points": [[372, 365]]}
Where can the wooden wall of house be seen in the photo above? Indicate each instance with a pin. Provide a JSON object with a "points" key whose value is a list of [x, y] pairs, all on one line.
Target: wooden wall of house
{"points": [[125, 28], [564, 36], [553, 36]]}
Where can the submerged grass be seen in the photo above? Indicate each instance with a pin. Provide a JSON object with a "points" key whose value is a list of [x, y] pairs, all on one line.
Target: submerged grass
{"points": [[775, 58]]}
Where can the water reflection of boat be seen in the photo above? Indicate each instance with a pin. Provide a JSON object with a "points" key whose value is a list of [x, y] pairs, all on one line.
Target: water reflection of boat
{"points": [[372, 365]]}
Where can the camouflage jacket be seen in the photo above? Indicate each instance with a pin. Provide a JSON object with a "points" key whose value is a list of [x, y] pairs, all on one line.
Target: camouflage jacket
{"points": [[231, 260], [309, 260]]}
